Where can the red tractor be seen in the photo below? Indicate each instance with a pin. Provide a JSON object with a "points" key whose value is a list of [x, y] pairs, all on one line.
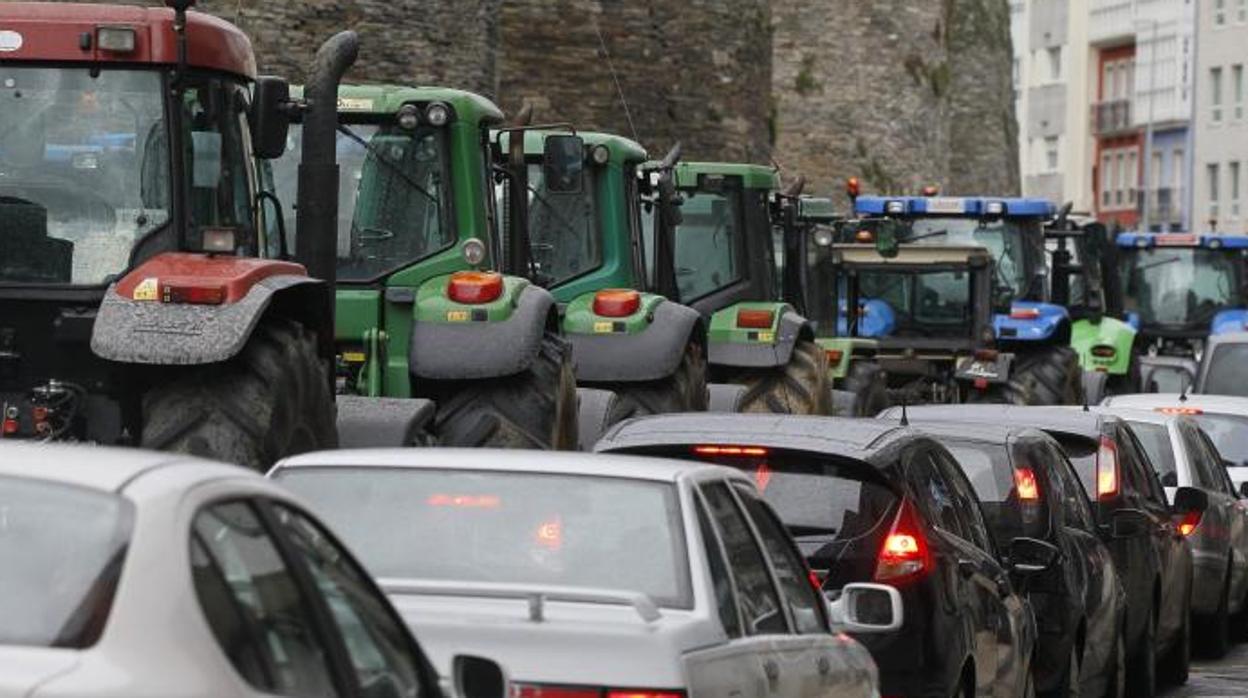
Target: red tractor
{"points": [[135, 307]]}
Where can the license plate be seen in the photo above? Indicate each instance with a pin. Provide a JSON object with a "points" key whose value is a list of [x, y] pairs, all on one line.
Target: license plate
{"points": [[945, 204], [992, 370]]}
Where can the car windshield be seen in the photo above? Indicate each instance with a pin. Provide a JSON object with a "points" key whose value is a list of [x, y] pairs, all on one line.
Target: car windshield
{"points": [[1156, 441], [62, 549], [923, 304], [991, 472], [1182, 287], [1003, 238], [506, 527], [84, 171], [1229, 434], [1226, 375], [392, 196]]}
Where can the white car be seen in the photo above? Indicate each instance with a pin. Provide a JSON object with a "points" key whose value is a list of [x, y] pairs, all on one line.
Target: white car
{"points": [[127, 573], [593, 576], [1224, 418]]}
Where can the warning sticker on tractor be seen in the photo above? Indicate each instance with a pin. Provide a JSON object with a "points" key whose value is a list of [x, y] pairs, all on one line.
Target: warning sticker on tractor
{"points": [[147, 290], [10, 41], [766, 336], [458, 316], [603, 327], [355, 104]]}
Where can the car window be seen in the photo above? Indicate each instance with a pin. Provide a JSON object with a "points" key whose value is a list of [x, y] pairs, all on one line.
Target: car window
{"points": [[725, 596], [1160, 449], [967, 504], [988, 467], [1226, 375], [791, 572], [1229, 433], [1075, 509], [1204, 464], [935, 498], [382, 655], [1219, 479], [760, 606], [1136, 468], [257, 612]]}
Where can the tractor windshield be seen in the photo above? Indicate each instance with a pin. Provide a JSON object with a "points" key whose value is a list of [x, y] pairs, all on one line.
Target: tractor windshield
{"points": [[1003, 238], [563, 228], [392, 196], [708, 242], [1178, 287], [83, 171], [921, 303]]}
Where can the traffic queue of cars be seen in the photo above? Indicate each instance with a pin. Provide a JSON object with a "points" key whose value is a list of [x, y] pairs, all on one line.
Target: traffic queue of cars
{"points": [[964, 550]]}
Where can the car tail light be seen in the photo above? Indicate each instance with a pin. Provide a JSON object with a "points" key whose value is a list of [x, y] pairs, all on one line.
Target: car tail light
{"points": [[1017, 313], [535, 691], [643, 693], [616, 302], [1108, 475], [815, 581], [1189, 522], [474, 287], [192, 295], [904, 553], [755, 319], [1104, 351], [729, 450], [1025, 484]]}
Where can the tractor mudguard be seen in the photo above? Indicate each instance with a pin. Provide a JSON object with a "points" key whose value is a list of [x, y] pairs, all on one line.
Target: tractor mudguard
{"points": [[188, 309], [840, 351], [652, 353], [383, 422], [1115, 334], [1029, 321], [732, 345], [1229, 320], [454, 341]]}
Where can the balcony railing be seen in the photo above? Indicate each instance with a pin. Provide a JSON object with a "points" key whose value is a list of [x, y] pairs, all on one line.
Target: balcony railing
{"points": [[1112, 117], [1165, 206]]}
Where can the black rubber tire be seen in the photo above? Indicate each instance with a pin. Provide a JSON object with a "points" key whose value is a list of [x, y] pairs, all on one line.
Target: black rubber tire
{"points": [[1116, 684], [270, 401], [1039, 376], [1239, 622], [534, 409], [683, 391], [866, 380], [1143, 665], [798, 387], [1174, 668], [1215, 630]]}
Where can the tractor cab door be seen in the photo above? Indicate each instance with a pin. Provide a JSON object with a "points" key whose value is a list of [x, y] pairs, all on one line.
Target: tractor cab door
{"points": [[723, 245]]}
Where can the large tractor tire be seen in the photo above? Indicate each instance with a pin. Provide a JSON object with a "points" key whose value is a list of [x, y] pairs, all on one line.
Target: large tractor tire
{"points": [[1041, 376], [534, 409], [867, 383], [798, 387], [683, 391], [270, 401]]}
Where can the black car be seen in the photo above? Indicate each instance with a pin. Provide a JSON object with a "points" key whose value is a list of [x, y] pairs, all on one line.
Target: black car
{"points": [[1133, 518], [869, 501], [1027, 487]]}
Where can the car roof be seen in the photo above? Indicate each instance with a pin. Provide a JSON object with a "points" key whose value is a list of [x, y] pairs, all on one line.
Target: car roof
{"points": [[515, 460], [995, 433], [1229, 404], [1138, 414], [1048, 418], [857, 438], [95, 467]]}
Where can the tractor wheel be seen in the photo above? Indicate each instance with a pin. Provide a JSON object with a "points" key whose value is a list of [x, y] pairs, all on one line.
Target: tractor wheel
{"points": [[270, 401], [1047, 376], [534, 409], [798, 387], [866, 381], [683, 391]]}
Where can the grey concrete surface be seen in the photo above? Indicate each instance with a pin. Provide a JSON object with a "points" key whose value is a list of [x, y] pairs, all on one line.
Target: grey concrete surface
{"points": [[1225, 678]]}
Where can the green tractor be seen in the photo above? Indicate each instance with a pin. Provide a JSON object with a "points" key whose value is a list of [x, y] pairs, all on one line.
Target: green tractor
{"points": [[434, 345]]}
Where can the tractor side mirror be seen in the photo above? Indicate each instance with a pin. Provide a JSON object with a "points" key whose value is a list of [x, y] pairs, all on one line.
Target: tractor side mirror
{"points": [[563, 163], [886, 238], [270, 117]]}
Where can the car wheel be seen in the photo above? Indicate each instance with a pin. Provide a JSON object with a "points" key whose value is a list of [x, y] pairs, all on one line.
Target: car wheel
{"points": [[1117, 685], [1174, 669], [1143, 664], [1215, 630], [1239, 622]]}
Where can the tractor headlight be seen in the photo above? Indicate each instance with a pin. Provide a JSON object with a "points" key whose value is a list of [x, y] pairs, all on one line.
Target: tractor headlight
{"points": [[473, 251], [409, 118], [994, 208], [437, 114], [600, 155]]}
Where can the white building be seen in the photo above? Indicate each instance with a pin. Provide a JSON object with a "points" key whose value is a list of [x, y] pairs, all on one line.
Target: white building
{"points": [[1221, 120]]}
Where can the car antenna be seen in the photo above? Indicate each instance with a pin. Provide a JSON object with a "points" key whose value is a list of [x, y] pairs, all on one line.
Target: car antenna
{"points": [[1085, 402], [1182, 390], [905, 418]]}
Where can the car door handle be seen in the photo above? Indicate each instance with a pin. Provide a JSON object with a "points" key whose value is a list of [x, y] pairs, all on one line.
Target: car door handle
{"points": [[772, 670], [967, 568]]}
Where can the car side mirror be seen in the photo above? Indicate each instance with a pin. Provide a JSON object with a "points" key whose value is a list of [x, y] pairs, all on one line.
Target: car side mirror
{"points": [[270, 117], [1189, 499], [1243, 490], [1129, 523], [866, 608], [1031, 555], [478, 677], [563, 163]]}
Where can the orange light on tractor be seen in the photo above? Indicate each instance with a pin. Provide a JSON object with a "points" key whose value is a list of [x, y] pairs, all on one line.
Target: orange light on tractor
{"points": [[853, 187], [931, 190], [834, 356], [864, 236], [616, 302], [474, 287], [1017, 313], [192, 294], [755, 319]]}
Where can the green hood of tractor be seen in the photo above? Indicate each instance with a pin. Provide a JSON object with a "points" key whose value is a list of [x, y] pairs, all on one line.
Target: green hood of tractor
{"points": [[752, 176], [622, 149], [388, 99], [1109, 332]]}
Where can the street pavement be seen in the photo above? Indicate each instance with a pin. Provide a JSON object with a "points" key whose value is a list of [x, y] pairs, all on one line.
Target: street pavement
{"points": [[1225, 678]]}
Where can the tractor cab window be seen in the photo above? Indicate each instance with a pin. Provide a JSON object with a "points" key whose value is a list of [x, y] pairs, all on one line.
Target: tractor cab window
{"points": [[709, 241], [217, 157], [921, 303], [563, 227], [393, 193], [84, 171], [1178, 286], [1005, 240]]}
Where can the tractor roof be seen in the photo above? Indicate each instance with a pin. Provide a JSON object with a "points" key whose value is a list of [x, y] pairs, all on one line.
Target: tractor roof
{"points": [[912, 255], [753, 176], [622, 149], [953, 206], [388, 99], [53, 32], [1146, 240]]}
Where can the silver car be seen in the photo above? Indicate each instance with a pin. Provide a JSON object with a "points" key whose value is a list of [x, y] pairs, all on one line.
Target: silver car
{"points": [[1223, 418], [595, 576], [1183, 456]]}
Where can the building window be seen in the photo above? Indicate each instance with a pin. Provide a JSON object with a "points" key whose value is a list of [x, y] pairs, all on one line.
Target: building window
{"points": [[1233, 171], [1106, 182], [1120, 178], [1055, 63], [1133, 177], [1219, 12], [1154, 174], [1215, 94], [1241, 15], [1050, 153], [1211, 174], [1237, 89]]}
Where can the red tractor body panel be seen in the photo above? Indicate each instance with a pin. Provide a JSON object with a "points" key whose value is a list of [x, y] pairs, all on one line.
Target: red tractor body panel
{"points": [[234, 276], [34, 31]]}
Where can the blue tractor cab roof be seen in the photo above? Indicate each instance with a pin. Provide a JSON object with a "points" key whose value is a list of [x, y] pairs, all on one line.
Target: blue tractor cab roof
{"points": [[1211, 241], [1009, 207]]}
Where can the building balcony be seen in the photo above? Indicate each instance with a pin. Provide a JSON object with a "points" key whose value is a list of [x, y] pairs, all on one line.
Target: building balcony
{"points": [[1111, 21], [1112, 118], [1165, 207]]}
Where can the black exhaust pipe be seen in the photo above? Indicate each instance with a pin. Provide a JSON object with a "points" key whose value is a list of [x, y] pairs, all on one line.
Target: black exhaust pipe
{"points": [[316, 220]]}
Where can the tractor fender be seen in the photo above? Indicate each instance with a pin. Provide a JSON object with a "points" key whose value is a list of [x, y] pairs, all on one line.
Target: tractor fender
{"points": [[473, 350], [382, 422], [790, 328], [653, 353], [1030, 321], [1086, 335], [141, 322], [1229, 320]]}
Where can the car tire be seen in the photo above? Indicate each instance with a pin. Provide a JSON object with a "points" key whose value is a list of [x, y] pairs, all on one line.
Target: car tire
{"points": [[798, 387], [1239, 622], [1142, 667], [683, 391], [1215, 630], [1116, 685], [1069, 686], [867, 382], [1174, 669]]}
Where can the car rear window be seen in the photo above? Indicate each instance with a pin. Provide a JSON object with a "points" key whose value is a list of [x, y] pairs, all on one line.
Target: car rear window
{"points": [[506, 527], [1229, 433], [1226, 374], [988, 467], [1081, 450], [62, 548], [1156, 441]]}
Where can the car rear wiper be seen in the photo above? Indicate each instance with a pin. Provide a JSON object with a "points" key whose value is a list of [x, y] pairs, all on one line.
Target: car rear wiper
{"points": [[800, 530]]}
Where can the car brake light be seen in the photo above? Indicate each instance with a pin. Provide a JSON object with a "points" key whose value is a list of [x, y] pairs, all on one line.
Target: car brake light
{"points": [[616, 302], [1024, 313], [1189, 522], [755, 319], [904, 553], [535, 691], [192, 295], [1180, 410], [1025, 483], [729, 450], [762, 476], [643, 693], [474, 287], [815, 581], [1107, 473]]}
